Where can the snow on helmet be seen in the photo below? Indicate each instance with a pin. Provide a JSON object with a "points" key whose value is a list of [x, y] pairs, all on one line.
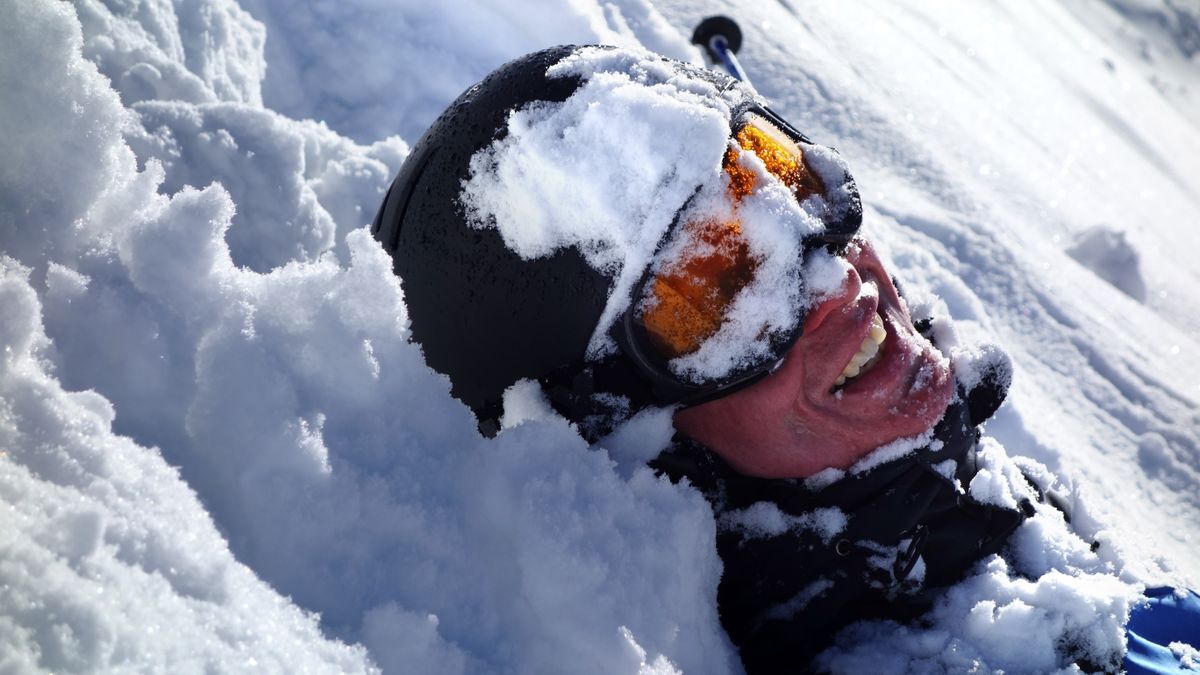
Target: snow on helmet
{"points": [[551, 223]]}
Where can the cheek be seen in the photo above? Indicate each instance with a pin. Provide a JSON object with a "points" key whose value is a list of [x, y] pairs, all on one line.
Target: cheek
{"points": [[750, 411], [769, 429]]}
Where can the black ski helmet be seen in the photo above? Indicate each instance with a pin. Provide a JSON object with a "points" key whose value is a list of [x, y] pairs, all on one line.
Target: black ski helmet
{"points": [[485, 316]]}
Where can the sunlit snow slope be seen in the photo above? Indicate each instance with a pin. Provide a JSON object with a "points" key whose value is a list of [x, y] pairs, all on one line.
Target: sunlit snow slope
{"points": [[213, 428]]}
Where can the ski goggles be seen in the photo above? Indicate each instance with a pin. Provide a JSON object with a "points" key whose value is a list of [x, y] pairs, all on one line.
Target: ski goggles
{"points": [[688, 328]]}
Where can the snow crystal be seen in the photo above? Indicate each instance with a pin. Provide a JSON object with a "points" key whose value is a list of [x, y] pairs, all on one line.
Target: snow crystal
{"points": [[890, 451], [764, 519], [993, 484], [659, 666], [824, 275], [823, 478], [525, 401], [793, 605], [947, 469], [831, 167], [640, 438], [1188, 655], [972, 362]]}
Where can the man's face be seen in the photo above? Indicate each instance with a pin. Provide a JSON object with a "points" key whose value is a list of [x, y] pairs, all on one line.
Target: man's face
{"points": [[799, 420]]}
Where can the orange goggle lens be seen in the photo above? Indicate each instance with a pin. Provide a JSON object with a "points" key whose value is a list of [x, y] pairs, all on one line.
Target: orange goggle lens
{"points": [[686, 302]]}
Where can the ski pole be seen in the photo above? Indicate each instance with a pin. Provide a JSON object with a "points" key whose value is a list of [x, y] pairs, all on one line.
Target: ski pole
{"points": [[721, 38]]}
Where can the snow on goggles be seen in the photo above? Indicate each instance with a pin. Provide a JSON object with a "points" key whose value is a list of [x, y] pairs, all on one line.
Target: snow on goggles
{"points": [[709, 316]]}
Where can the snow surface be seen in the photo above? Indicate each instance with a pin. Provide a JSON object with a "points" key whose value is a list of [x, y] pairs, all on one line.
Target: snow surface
{"points": [[218, 452]]}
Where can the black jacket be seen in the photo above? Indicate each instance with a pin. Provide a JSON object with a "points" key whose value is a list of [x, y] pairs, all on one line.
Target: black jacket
{"points": [[907, 532]]}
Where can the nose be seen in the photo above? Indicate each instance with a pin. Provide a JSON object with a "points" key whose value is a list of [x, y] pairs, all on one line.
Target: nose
{"points": [[846, 293]]}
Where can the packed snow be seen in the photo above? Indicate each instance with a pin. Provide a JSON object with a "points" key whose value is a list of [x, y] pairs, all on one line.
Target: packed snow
{"points": [[219, 451]]}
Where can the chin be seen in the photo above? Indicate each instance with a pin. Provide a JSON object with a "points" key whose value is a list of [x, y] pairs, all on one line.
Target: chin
{"points": [[928, 395], [911, 407]]}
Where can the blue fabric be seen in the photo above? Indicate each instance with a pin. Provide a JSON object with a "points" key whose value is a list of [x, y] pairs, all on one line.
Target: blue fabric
{"points": [[1165, 619]]}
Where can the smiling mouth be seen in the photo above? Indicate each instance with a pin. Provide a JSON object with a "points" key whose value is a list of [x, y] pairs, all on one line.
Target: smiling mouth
{"points": [[869, 353]]}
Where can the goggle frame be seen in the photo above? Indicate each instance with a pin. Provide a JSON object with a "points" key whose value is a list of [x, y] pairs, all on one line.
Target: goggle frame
{"points": [[634, 342]]}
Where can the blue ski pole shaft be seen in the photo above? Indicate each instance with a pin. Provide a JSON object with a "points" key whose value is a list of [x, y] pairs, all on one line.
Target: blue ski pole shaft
{"points": [[720, 46], [720, 37]]}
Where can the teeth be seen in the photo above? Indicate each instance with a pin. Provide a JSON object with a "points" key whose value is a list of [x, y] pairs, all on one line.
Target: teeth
{"points": [[867, 351], [878, 332]]}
